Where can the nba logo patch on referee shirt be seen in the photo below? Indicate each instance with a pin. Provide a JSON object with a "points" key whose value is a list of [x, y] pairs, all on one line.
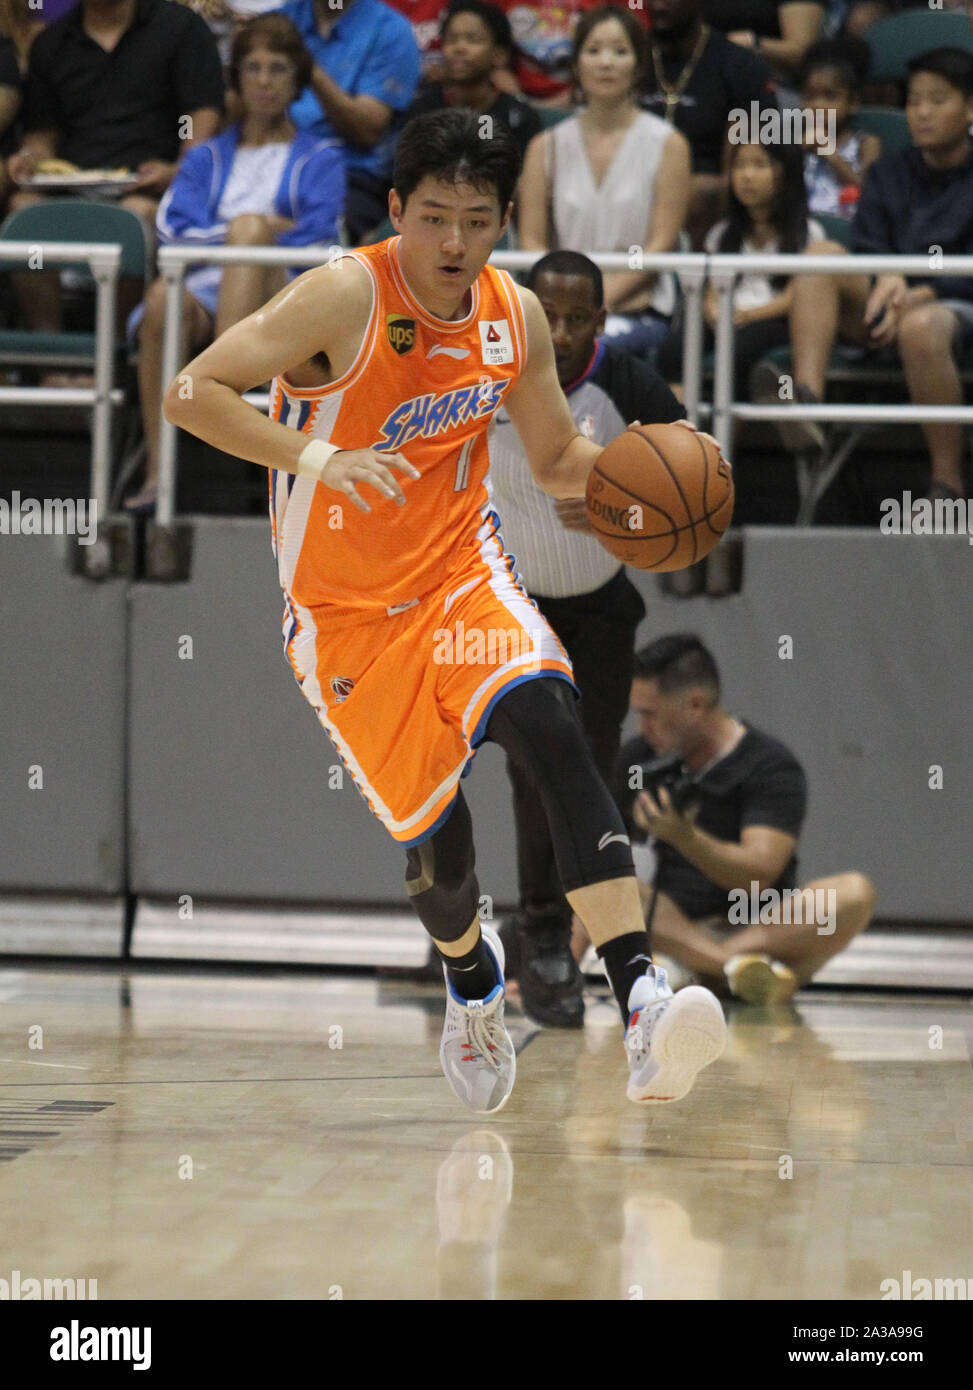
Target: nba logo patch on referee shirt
{"points": [[496, 345]]}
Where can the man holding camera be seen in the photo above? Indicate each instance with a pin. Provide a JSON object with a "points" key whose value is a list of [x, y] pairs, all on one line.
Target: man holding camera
{"points": [[724, 805]]}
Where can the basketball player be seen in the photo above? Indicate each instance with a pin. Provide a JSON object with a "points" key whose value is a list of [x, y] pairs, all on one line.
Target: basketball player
{"points": [[405, 623]]}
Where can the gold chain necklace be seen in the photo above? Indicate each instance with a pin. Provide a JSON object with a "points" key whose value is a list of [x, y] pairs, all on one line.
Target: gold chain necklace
{"points": [[675, 90]]}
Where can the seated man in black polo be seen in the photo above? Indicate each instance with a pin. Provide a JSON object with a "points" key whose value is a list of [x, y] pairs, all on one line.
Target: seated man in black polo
{"points": [[696, 78], [724, 902], [115, 84]]}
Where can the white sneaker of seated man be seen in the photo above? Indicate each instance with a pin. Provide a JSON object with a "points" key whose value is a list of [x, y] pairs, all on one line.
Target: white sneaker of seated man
{"points": [[670, 1037], [477, 1056]]}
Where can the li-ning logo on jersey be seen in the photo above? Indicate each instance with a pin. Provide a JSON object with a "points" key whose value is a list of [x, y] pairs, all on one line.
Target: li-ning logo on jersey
{"points": [[441, 348], [424, 416], [401, 333], [341, 688]]}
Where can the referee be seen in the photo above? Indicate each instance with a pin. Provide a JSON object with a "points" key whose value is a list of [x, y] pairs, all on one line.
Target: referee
{"points": [[584, 594]]}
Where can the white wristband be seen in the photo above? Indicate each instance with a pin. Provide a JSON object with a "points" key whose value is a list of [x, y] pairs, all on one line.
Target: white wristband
{"points": [[314, 458]]}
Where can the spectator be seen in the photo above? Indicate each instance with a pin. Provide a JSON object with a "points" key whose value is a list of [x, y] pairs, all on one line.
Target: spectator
{"points": [[833, 72], [11, 97], [749, 793], [365, 74], [697, 77], [476, 42], [543, 31], [767, 214], [114, 84], [21, 25], [781, 31], [584, 594], [911, 201], [260, 183], [611, 178]]}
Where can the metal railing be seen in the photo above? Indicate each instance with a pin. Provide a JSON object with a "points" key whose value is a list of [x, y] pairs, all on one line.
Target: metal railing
{"points": [[104, 260], [693, 270]]}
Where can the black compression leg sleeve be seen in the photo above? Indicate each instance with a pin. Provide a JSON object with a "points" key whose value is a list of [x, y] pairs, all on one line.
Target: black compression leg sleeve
{"points": [[537, 725], [440, 878]]}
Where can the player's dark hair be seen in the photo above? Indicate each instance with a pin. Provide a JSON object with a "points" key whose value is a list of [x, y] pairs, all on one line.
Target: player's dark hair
{"points": [[788, 213], [678, 661], [569, 263], [495, 20], [847, 55], [590, 19], [451, 146], [953, 65], [277, 34]]}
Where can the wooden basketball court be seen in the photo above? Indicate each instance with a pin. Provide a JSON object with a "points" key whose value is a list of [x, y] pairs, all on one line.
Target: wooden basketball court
{"points": [[187, 1134]]}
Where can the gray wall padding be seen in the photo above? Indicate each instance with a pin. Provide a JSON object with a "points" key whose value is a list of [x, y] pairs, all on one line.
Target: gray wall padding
{"points": [[229, 767], [62, 705]]}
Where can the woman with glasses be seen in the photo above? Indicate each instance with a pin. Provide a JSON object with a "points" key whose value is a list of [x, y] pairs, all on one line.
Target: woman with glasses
{"points": [[261, 183]]}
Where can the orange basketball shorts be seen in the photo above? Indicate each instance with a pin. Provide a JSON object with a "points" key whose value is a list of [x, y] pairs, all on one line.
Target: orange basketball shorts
{"points": [[405, 694]]}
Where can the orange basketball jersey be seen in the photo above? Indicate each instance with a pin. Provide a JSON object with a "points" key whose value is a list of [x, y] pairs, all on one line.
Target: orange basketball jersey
{"points": [[422, 386]]}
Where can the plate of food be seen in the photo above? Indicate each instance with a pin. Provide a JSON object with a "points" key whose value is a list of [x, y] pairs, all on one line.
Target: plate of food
{"points": [[60, 176]]}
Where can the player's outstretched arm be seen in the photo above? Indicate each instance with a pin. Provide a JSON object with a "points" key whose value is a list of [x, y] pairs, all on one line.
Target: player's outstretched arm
{"points": [[560, 458], [323, 310]]}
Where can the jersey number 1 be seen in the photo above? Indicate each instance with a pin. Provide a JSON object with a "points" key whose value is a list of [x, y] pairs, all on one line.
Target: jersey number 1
{"points": [[463, 465]]}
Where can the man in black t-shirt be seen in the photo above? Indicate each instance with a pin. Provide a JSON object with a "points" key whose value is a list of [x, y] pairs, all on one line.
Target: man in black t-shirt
{"points": [[724, 901], [696, 78], [114, 84], [11, 86], [476, 43]]}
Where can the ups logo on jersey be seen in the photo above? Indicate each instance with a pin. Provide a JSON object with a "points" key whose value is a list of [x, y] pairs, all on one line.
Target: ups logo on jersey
{"points": [[401, 333]]}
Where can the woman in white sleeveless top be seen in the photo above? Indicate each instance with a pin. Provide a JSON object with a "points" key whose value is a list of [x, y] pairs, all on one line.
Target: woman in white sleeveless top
{"points": [[612, 178]]}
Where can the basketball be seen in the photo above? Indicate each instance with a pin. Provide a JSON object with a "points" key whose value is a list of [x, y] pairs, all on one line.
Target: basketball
{"points": [[660, 497]]}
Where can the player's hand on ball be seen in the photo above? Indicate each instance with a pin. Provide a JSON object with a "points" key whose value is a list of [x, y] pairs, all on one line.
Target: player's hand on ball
{"points": [[572, 513], [688, 424], [350, 466]]}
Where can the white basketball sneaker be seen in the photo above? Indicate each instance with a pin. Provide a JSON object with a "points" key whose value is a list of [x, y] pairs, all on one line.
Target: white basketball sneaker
{"points": [[670, 1037], [476, 1053]]}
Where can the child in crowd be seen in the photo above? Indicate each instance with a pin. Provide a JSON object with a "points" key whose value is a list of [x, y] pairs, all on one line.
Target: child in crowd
{"points": [[831, 77], [767, 214]]}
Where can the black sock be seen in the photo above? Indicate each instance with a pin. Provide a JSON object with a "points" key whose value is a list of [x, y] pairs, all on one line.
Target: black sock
{"points": [[626, 958], [474, 975]]}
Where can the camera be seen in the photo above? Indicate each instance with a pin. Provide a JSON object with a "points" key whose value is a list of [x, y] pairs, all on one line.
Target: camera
{"points": [[670, 772]]}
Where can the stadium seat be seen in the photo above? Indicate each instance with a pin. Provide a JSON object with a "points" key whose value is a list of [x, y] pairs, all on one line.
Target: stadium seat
{"points": [[894, 41], [550, 115], [888, 123], [836, 228], [66, 220]]}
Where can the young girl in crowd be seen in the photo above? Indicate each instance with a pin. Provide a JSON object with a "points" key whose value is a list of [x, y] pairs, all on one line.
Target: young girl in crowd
{"points": [[833, 72], [767, 214]]}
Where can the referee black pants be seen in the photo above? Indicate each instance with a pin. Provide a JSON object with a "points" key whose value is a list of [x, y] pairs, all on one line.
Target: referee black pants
{"points": [[598, 631]]}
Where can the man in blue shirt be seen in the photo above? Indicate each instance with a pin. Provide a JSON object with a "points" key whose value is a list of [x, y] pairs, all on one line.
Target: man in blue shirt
{"points": [[366, 70]]}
